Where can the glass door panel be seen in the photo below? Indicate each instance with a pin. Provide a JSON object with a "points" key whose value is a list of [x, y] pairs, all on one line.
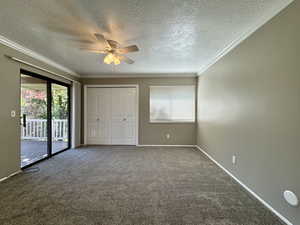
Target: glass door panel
{"points": [[33, 119], [60, 117]]}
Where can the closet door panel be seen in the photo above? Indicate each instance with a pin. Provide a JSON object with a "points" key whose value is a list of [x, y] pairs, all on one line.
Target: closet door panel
{"points": [[92, 113], [118, 119], [123, 115], [104, 115], [130, 99], [99, 115]]}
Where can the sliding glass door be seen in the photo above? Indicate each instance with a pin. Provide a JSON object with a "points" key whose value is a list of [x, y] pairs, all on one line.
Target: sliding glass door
{"points": [[45, 118], [60, 115], [34, 132]]}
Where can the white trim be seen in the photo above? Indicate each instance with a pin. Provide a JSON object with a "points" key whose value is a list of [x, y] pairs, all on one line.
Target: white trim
{"points": [[35, 55], [245, 35], [174, 85], [77, 146], [142, 75], [73, 117], [85, 117], [9, 176], [246, 187], [137, 110], [187, 146], [80, 145], [111, 86]]}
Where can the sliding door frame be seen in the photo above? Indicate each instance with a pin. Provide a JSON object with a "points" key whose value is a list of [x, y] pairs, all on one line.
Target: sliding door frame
{"points": [[69, 116], [51, 81]]}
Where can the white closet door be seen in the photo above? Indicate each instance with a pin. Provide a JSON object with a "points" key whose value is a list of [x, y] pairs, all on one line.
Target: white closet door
{"points": [[99, 115], [123, 130]]}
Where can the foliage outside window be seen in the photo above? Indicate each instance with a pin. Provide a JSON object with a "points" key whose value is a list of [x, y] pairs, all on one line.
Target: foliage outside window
{"points": [[34, 103]]}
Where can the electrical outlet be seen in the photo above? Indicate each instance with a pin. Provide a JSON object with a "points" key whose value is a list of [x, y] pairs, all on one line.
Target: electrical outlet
{"points": [[13, 113], [233, 159], [168, 136]]}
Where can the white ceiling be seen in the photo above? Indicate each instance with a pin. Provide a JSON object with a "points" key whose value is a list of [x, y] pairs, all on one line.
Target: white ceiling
{"points": [[174, 36]]}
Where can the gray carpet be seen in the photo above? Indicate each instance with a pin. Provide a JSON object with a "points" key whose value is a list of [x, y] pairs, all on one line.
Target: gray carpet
{"points": [[129, 186]]}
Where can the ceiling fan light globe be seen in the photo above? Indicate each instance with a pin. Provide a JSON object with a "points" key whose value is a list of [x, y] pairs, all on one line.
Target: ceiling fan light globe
{"points": [[109, 58], [117, 61]]}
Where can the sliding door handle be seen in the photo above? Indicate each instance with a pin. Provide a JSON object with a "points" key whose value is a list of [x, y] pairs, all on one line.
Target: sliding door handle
{"points": [[24, 120]]}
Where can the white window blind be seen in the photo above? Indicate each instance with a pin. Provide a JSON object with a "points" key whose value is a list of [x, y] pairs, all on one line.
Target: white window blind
{"points": [[172, 104]]}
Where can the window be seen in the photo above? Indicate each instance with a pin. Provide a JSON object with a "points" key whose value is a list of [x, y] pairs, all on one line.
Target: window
{"points": [[172, 104]]}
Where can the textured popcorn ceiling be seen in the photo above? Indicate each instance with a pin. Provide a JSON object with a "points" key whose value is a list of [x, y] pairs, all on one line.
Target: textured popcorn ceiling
{"points": [[174, 36]]}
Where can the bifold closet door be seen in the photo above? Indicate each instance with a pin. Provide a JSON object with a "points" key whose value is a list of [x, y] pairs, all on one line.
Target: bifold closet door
{"points": [[99, 116], [123, 127], [111, 116]]}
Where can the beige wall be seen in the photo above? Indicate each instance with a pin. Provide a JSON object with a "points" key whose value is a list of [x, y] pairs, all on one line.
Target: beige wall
{"points": [[76, 115], [154, 133], [249, 104], [9, 100]]}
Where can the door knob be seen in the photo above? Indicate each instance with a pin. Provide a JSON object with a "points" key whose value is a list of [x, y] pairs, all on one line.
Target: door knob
{"points": [[98, 119], [124, 119]]}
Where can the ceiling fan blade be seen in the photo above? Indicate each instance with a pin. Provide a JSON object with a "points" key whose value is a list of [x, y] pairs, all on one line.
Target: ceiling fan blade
{"points": [[82, 41], [132, 48], [101, 38], [126, 59], [113, 44], [93, 50], [63, 30]]}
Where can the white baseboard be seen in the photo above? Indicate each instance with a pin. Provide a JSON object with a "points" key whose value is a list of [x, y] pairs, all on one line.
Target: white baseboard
{"points": [[15, 173], [79, 146], [246, 187], [187, 146]]}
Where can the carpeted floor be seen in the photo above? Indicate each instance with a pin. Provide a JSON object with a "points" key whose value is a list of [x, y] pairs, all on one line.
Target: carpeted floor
{"points": [[129, 186]]}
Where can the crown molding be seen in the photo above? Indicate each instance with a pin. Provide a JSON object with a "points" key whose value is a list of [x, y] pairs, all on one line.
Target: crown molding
{"points": [[35, 55], [142, 75], [223, 52], [276, 10]]}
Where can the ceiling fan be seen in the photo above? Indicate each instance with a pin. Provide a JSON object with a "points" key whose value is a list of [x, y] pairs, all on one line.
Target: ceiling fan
{"points": [[113, 51]]}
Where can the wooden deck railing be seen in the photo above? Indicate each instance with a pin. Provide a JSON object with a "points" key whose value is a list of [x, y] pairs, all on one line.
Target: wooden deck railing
{"points": [[36, 129]]}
